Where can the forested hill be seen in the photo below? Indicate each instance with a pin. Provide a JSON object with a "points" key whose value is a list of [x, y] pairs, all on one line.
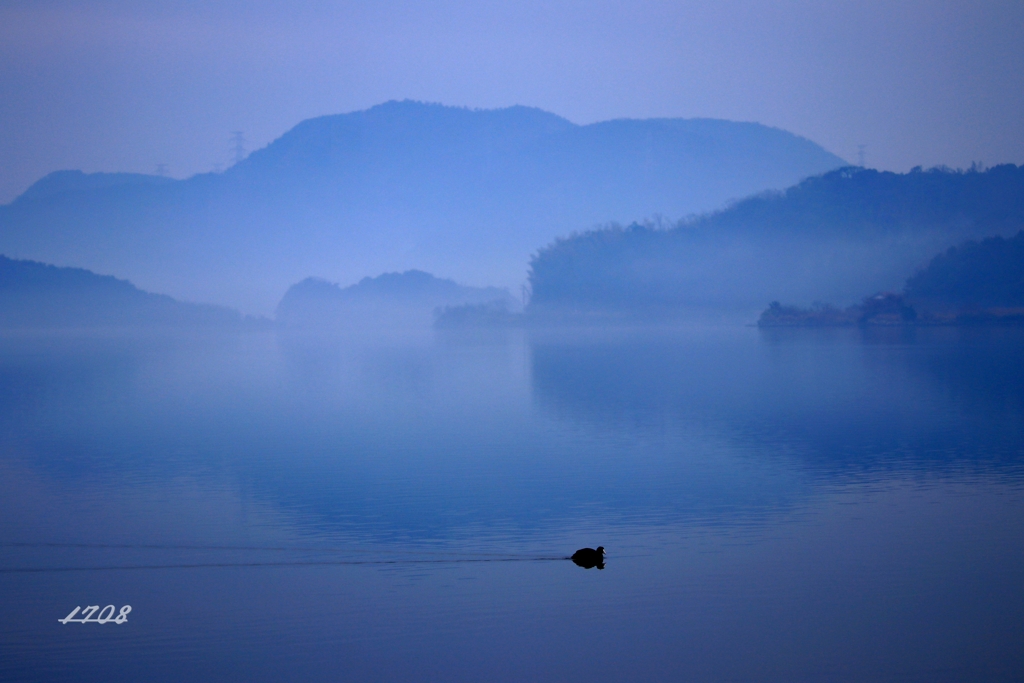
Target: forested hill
{"points": [[466, 194], [854, 201], [40, 296], [989, 273], [832, 237], [405, 299]]}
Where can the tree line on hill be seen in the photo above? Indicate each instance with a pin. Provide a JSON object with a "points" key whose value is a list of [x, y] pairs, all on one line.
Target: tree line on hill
{"points": [[832, 236]]}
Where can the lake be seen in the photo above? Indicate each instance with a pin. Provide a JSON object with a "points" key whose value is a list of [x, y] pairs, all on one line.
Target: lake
{"points": [[776, 505]]}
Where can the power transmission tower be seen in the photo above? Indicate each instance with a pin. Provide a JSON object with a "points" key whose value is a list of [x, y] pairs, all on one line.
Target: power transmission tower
{"points": [[238, 145], [860, 155], [161, 169]]}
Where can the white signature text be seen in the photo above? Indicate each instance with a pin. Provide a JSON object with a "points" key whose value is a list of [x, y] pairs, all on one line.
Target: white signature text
{"points": [[105, 615]]}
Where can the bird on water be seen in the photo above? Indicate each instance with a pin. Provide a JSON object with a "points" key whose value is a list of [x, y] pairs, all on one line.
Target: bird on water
{"points": [[588, 557]]}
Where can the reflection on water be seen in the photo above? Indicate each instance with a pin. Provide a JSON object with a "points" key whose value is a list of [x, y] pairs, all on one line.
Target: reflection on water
{"points": [[774, 505], [839, 400]]}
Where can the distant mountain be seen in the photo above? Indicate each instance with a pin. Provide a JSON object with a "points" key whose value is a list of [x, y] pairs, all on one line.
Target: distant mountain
{"points": [[392, 299], [463, 193], [830, 238], [39, 296], [75, 182]]}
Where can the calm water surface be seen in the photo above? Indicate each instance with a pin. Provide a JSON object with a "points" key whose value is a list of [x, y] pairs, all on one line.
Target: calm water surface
{"points": [[791, 506]]}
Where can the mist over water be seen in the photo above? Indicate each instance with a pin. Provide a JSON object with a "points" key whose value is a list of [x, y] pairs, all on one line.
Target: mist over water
{"points": [[776, 505]]}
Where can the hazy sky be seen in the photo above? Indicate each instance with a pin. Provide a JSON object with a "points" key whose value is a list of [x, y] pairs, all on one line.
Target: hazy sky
{"points": [[110, 85]]}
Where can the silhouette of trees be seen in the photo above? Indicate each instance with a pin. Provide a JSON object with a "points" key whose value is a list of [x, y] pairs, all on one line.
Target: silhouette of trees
{"points": [[988, 273], [646, 265]]}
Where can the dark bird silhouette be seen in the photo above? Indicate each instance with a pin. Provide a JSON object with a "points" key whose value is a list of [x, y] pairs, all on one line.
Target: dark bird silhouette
{"points": [[588, 557]]}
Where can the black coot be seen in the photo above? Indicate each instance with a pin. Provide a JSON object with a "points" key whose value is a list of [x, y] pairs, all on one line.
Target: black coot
{"points": [[588, 557]]}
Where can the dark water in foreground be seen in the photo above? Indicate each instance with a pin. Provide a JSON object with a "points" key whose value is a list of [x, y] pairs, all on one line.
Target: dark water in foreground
{"points": [[788, 506]]}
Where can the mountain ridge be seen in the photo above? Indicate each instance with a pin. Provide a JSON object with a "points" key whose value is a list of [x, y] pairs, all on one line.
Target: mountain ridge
{"points": [[37, 295], [466, 194]]}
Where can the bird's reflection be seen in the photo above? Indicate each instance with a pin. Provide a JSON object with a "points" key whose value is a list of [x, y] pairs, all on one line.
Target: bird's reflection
{"points": [[589, 558]]}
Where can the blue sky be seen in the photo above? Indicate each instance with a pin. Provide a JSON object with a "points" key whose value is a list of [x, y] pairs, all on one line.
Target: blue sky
{"points": [[108, 85]]}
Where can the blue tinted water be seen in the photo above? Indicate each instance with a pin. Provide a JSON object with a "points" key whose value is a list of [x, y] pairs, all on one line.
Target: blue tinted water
{"points": [[807, 505]]}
